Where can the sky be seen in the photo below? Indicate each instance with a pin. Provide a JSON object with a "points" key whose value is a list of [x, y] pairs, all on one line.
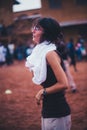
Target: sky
{"points": [[27, 5]]}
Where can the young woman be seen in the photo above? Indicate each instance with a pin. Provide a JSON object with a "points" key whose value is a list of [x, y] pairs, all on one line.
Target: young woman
{"points": [[47, 69]]}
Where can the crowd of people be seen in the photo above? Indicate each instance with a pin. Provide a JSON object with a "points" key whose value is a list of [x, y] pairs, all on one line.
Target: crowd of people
{"points": [[10, 52]]}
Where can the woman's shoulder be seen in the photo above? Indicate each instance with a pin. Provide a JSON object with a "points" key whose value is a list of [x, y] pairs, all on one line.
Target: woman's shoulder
{"points": [[52, 56]]}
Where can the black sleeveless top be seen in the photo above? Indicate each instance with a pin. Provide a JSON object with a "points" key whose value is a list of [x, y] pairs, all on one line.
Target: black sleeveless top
{"points": [[54, 105]]}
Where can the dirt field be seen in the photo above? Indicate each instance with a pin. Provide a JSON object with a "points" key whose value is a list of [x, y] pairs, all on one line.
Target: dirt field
{"points": [[19, 111]]}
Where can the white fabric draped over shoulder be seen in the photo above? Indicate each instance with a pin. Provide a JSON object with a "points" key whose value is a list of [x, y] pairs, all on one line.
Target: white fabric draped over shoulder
{"points": [[36, 62]]}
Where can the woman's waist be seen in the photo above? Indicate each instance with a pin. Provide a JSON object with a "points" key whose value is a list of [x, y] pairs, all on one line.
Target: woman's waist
{"points": [[54, 100]]}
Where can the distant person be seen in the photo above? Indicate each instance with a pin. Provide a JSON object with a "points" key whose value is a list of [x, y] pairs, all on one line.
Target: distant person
{"points": [[2, 54], [64, 53], [71, 53], [11, 48], [80, 49], [8, 55], [47, 69], [81, 40]]}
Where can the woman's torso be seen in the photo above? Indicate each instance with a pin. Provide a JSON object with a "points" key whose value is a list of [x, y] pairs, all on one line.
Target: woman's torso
{"points": [[54, 105]]}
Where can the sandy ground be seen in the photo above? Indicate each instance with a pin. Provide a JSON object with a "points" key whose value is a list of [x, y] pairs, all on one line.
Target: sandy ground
{"points": [[19, 111]]}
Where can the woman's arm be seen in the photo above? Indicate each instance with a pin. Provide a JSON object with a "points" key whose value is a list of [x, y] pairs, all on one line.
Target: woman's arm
{"points": [[54, 61]]}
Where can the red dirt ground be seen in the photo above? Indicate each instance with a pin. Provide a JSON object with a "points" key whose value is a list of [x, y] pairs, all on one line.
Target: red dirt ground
{"points": [[19, 111]]}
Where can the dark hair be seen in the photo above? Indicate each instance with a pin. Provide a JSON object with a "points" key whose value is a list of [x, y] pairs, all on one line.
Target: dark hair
{"points": [[52, 29], [62, 49]]}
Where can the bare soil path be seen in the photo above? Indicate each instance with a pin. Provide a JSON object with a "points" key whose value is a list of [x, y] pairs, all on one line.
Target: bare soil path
{"points": [[19, 111]]}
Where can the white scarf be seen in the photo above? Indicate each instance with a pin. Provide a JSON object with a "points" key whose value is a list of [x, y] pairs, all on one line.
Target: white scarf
{"points": [[36, 62]]}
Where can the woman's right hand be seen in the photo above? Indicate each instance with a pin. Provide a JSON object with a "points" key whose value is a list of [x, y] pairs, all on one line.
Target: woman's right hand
{"points": [[39, 96]]}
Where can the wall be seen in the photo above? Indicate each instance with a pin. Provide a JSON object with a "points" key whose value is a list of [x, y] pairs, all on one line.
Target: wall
{"points": [[68, 12], [6, 14]]}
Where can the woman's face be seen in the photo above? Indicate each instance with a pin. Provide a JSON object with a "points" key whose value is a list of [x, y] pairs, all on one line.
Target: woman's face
{"points": [[37, 34]]}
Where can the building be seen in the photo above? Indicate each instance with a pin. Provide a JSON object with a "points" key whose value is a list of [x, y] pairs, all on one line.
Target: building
{"points": [[71, 14]]}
